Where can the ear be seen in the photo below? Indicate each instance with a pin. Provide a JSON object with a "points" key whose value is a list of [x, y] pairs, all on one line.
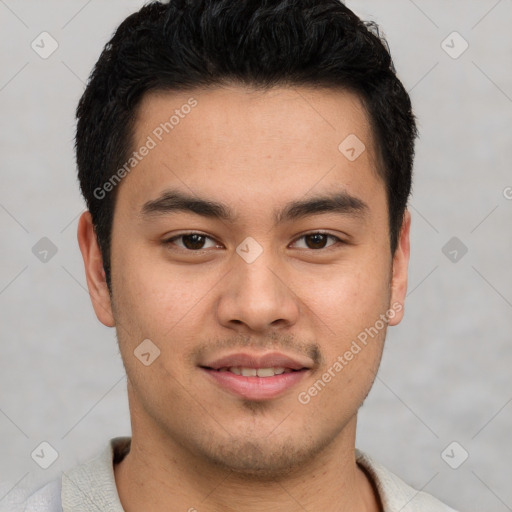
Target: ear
{"points": [[94, 272], [400, 270]]}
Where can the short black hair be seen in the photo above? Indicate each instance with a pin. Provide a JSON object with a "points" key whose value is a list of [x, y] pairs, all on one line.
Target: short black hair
{"points": [[188, 44]]}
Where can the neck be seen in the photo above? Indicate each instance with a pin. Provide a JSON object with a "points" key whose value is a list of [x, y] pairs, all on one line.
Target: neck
{"points": [[159, 475]]}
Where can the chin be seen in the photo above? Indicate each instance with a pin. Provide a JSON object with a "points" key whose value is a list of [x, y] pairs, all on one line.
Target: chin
{"points": [[264, 458]]}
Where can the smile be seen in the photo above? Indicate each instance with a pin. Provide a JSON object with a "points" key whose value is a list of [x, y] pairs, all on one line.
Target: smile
{"points": [[255, 372], [256, 376]]}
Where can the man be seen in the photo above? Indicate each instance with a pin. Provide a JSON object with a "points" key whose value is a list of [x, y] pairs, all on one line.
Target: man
{"points": [[246, 167]]}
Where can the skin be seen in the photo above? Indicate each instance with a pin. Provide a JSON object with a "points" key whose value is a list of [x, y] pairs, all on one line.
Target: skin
{"points": [[193, 443]]}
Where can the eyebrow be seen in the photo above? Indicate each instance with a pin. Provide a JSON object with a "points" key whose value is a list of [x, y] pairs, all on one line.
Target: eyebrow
{"points": [[172, 201]]}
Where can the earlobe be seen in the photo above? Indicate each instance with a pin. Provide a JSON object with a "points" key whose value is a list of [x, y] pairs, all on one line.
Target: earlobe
{"points": [[94, 271], [400, 270]]}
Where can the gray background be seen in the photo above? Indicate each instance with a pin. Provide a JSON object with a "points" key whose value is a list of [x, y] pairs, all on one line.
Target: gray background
{"points": [[446, 374]]}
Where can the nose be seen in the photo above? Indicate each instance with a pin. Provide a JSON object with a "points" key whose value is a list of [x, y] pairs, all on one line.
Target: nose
{"points": [[256, 297]]}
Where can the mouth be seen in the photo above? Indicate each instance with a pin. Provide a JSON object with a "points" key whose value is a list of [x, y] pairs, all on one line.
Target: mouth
{"points": [[256, 372], [255, 377]]}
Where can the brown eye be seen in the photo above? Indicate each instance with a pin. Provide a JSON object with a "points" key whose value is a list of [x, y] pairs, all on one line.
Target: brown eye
{"points": [[191, 241], [318, 241]]}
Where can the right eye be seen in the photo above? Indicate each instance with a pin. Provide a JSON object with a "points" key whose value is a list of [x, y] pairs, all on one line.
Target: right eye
{"points": [[191, 241]]}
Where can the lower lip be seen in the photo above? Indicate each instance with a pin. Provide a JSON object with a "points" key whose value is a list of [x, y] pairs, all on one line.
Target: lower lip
{"points": [[256, 388]]}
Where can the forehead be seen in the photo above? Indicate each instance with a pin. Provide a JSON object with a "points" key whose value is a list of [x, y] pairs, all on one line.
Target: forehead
{"points": [[237, 142], [283, 114]]}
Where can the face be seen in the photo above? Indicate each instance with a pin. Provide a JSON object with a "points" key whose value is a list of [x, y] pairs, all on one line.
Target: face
{"points": [[252, 250]]}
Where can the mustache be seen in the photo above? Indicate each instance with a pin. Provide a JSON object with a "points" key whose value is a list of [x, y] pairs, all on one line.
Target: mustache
{"points": [[274, 341]]}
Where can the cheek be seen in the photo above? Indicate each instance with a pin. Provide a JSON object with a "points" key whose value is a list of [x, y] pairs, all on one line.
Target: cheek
{"points": [[350, 298], [150, 292], [166, 304], [150, 305], [351, 333]]}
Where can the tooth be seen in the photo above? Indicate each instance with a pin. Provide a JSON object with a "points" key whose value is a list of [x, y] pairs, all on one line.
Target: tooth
{"points": [[265, 372], [259, 372]]}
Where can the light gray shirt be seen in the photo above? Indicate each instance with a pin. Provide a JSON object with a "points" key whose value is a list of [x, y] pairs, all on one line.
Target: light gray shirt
{"points": [[91, 487]]}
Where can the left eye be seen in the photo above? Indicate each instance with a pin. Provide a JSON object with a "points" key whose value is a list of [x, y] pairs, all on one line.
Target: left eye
{"points": [[318, 240], [192, 241]]}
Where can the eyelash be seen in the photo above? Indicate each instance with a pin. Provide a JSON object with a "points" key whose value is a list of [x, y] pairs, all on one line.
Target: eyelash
{"points": [[338, 241]]}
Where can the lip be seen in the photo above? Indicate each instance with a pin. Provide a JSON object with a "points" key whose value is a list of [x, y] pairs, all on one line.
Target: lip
{"points": [[257, 388], [269, 360]]}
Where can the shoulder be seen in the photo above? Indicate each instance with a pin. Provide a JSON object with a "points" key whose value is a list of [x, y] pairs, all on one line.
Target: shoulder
{"points": [[94, 477], [44, 499], [395, 494]]}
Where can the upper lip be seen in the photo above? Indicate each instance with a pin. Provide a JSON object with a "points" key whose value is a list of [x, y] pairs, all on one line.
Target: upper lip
{"points": [[269, 360]]}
